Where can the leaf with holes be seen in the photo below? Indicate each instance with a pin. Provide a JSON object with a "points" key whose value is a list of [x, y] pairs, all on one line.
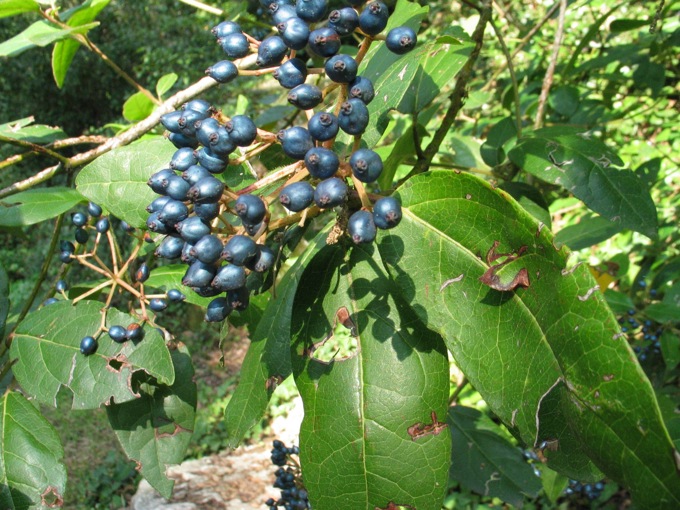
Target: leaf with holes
{"points": [[155, 429], [374, 429], [267, 362], [584, 166], [46, 352], [569, 382], [32, 472], [117, 180], [487, 463]]}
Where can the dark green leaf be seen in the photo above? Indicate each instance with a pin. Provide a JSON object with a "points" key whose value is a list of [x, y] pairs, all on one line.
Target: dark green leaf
{"points": [[46, 347], [624, 25], [22, 130], [137, 107], [530, 199], [374, 427], [670, 348], [492, 150], [155, 429], [36, 205], [583, 166], [165, 83], [588, 231], [64, 51], [486, 462], [618, 301], [568, 375], [663, 312], [4, 300], [649, 171], [14, 7], [117, 180], [267, 362], [32, 474], [565, 100], [403, 148]]}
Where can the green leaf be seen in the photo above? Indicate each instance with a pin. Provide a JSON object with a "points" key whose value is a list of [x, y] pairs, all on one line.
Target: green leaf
{"points": [[374, 428], [553, 483], [663, 312], [23, 130], [137, 107], [583, 166], [14, 7], [40, 33], [485, 462], [117, 180], [165, 83], [32, 473], [670, 349], [567, 374], [155, 429], [64, 51], [492, 151], [618, 301], [564, 100], [36, 205], [267, 362], [46, 348], [4, 300], [530, 198], [590, 230]]}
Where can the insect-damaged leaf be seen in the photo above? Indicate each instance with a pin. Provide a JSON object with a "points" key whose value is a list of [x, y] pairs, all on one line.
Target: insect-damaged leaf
{"points": [[568, 377], [372, 435]]}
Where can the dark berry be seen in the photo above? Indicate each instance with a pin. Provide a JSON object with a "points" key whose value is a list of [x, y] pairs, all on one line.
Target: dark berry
{"points": [[207, 211], [192, 229], [218, 310], [295, 142], [180, 141], [142, 273], [297, 196], [366, 165], [170, 248], [242, 130], [229, 277], [325, 42], [157, 204], [400, 40], [81, 236], [158, 304], [361, 88], [330, 193], [61, 286], [206, 291], [294, 33], [305, 96], [323, 126], [88, 345], [255, 229], [250, 208], [79, 219], [341, 68], [118, 334], [186, 256], [264, 261], [134, 332], [177, 188], [189, 120], [221, 143], [50, 301], [311, 10], [176, 296], [239, 250], [387, 213], [126, 228], [173, 212], [199, 105], [170, 121], [235, 45], [154, 224], [211, 162], [102, 226], [373, 18], [291, 73], [182, 159], [205, 129], [322, 163], [353, 118], [271, 51], [94, 210], [207, 190], [280, 11], [225, 28], [199, 274], [238, 299], [208, 249], [344, 20], [223, 71], [158, 182], [193, 174], [361, 227]]}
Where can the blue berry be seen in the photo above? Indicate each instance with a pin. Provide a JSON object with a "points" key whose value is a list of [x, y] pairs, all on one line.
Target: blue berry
{"points": [[361, 88], [177, 188], [193, 174], [206, 130], [240, 250], [118, 334], [238, 299], [250, 208], [79, 219], [143, 273], [175, 295], [157, 204], [207, 211], [344, 21], [102, 226], [180, 141], [295, 142], [208, 249], [173, 212], [280, 11], [323, 126], [341, 68], [134, 332], [330, 193], [212, 162], [294, 33], [235, 45], [321, 163], [271, 51], [158, 304], [242, 130], [223, 71], [366, 165], [311, 10], [373, 18], [154, 224], [229, 277], [188, 121], [361, 227], [305, 96], [401, 40], [94, 210], [61, 286], [170, 248], [170, 121], [182, 159], [199, 105], [353, 118], [225, 28], [297, 196], [207, 190], [218, 310], [192, 229], [81, 236], [221, 143], [291, 73], [199, 274], [264, 261], [386, 213], [324, 42], [88, 345]]}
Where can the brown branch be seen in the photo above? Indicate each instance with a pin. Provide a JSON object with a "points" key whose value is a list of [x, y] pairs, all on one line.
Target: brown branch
{"points": [[40, 177], [35, 148], [550, 73], [458, 94]]}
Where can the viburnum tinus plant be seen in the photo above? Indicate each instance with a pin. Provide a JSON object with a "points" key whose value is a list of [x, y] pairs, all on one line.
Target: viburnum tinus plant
{"points": [[356, 277]]}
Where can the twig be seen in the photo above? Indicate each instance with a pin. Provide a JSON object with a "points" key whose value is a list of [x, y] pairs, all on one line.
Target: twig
{"points": [[42, 176], [35, 148], [458, 94], [513, 78], [459, 389], [204, 7], [550, 73]]}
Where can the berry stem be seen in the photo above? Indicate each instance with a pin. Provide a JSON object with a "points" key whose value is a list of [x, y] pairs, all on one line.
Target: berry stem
{"points": [[363, 196], [94, 290], [273, 177]]}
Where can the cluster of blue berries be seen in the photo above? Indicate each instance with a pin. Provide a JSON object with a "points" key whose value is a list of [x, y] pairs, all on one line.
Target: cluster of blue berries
{"points": [[195, 210], [84, 222], [293, 494], [643, 335], [578, 490]]}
